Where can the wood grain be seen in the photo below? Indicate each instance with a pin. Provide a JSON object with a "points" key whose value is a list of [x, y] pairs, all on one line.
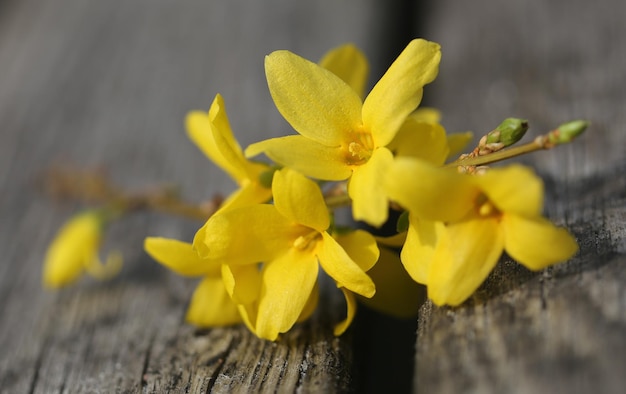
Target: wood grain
{"points": [[560, 330]]}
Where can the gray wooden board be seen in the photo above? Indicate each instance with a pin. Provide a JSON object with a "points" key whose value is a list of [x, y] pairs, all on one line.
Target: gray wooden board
{"points": [[107, 84], [562, 330]]}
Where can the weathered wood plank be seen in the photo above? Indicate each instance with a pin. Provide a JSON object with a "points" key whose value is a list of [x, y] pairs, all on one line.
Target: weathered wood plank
{"points": [[561, 330], [108, 84]]}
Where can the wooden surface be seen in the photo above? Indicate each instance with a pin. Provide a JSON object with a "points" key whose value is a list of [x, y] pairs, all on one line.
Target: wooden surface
{"points": [[562, 330], [107, 83]]}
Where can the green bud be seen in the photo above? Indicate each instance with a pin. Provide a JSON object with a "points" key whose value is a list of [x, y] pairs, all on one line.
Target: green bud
{"points": [[508, 132], [568, 131]]}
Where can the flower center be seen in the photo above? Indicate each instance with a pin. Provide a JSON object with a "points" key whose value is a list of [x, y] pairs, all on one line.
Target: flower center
{"points": [[307, 242], [484, 207], [359, 147]]}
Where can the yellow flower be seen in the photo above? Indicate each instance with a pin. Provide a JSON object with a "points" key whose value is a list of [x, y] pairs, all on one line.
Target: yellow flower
{"points": [[212, 133], [210, 304], [342, 137], [75, 249], [290, 238], [460, 225]]}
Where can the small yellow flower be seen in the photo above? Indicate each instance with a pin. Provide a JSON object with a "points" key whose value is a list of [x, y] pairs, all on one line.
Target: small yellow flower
{"points": [[460, 225], [210, 304], [342, 137], [290, 238], [212, 133], [75, 250]]}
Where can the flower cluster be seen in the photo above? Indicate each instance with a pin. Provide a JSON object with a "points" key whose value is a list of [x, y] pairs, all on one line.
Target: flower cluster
{"points": [[261, 254]]}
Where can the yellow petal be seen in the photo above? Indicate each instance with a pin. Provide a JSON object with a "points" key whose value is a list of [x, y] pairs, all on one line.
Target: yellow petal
{"points": [[393, 241], [248, 235], [396, 293], [287, 284], [399, 91], [180, 257], [317, 103], [311, 304], [536, 242], [305, 155], [251, 193], [425, 141], [457, 143], [369, 200], [210, 305], [242, 282], [351, 306], [348, 63], [107, 270], [429, 192], [419, 249], [514, 189], [300, 199], [464, 256], [427, 114], [74, 246], [361, 247], [339, 266], [215, 139]]}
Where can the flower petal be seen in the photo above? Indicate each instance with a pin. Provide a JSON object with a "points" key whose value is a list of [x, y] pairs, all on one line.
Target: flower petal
{"points": [[419, 248], [339, 266], [211, 306], [315, 102], [351, 306], [74, 247], [361, 246], [307, 156], [429, 192], [180, 257], [514, 189], [396, 293], [311, 304], [251, 193], [465, 254], [242, 282], [248, 235], [348, 63], [536, 242], [287, 285], [369, 200], [425, 141], [212, 134], [300, 199], [399, 91]]}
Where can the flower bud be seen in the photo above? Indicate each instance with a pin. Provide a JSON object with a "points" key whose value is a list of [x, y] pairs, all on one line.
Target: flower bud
{"points": [[508, 132]]}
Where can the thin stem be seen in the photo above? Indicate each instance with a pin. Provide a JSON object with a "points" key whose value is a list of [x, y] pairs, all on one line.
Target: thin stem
{"points": [[499, 155]]}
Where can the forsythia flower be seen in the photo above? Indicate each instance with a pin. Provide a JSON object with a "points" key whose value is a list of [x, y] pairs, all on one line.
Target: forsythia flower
{"points": [[210, 304], [460, 225], [213, 135], [342, 137], [75, 249], [291, 240]]}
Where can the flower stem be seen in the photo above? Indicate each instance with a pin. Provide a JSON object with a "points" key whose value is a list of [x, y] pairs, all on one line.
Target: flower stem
{"points": [[561, 135]]}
